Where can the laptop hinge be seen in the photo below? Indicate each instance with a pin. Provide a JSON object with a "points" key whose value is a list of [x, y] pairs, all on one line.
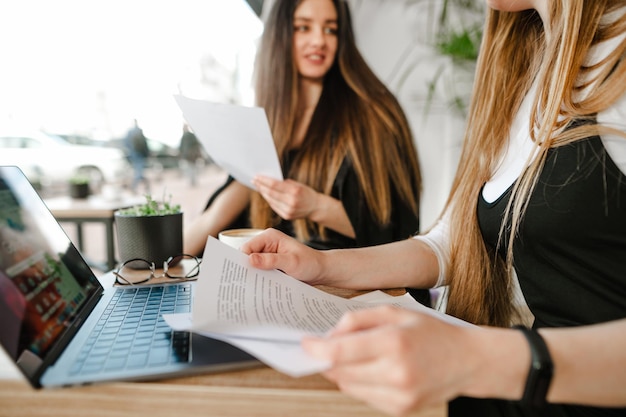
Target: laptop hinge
{"points": [[29, 363]]}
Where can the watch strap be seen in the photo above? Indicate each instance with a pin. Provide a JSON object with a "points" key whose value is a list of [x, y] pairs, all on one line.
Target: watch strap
{"points": [[541, 369]]}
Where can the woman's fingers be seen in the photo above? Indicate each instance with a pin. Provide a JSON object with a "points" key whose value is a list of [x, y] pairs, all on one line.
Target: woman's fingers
{"points": [[275, 250], [368, 367], [371, 317], [385, 356], [267, 241], [351, 339], [289, 199]]}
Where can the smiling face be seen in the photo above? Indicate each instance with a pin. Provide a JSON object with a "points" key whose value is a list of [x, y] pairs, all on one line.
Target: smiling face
{"points": [[315, 38]]}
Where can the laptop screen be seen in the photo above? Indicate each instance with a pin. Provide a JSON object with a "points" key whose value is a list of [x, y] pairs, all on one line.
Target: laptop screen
{"points": [[44, 282]]}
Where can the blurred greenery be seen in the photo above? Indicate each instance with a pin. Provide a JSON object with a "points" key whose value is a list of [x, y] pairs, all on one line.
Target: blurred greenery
{"points": [[79, 179], [462, 45], [458, 40]]}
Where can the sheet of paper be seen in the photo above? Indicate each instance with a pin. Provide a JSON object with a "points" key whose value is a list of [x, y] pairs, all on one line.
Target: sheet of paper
{"points": [[286, 357], [266, 313], [237, 138]]}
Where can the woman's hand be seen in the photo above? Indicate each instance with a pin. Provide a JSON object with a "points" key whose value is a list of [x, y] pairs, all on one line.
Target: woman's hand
{"points": [[289, 199], [292, 200], [397, 360], [275, 250]]}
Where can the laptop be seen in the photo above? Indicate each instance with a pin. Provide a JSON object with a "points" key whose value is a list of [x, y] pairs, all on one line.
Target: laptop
{"points": [[61, 327]]}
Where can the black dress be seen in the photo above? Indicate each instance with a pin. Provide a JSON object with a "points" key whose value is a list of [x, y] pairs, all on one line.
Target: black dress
{"points": [[569, 256]]}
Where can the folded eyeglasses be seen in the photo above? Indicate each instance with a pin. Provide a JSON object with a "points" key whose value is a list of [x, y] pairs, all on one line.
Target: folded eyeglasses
{"points": [[139, 271]]}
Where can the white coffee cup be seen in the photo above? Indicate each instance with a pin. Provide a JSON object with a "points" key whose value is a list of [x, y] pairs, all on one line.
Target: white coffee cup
{"points": [[237, 237]]}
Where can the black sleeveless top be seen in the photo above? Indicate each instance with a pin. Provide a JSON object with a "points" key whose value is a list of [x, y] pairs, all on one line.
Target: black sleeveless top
{"points": [[569, 256]]}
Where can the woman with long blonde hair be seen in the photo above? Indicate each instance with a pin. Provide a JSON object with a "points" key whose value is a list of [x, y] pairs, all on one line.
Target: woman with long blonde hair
{"points": [[539, 200]]}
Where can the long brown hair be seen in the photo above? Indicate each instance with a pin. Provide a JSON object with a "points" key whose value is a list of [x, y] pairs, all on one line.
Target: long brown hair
{"points": [[514, 51], [356, 117]]}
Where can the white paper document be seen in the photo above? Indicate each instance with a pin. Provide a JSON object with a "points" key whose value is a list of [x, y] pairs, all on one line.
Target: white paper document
{"points": [[237, 138], [266, 313]]}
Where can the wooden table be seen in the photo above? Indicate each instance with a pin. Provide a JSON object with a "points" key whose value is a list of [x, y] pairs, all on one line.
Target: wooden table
{"points": [[95, 209], [259, 392]]}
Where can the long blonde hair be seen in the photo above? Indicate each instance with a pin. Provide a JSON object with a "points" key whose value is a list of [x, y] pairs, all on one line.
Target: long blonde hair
{"points": [[515, 50], [357, 118]]}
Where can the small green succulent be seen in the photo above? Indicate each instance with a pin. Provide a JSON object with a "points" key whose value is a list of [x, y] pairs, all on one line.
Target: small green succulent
{"points": [[152, 208]]}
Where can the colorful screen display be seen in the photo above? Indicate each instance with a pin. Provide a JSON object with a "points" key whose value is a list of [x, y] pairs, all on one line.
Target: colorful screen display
{"points": [[44, 282]]}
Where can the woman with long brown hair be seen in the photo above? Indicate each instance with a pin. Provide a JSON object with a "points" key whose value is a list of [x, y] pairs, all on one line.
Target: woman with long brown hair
{"points": [[539, 199], [346, 148]]}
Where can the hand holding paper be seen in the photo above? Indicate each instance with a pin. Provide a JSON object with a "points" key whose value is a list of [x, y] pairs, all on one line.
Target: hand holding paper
{"points": [[266, 313], [237, 138]]}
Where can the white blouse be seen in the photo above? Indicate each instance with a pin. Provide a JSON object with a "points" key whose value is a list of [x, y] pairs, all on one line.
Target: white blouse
{"points": [[520, 148]]}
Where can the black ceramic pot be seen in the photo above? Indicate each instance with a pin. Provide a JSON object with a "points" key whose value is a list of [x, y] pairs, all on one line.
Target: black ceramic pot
{"points": [[79, 190], [153, 238]]}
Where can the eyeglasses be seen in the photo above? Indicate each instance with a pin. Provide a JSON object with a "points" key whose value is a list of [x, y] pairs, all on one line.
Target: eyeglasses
{"points": [[139, 271]]}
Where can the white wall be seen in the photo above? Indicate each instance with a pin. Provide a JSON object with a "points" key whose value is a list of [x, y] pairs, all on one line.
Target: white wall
{"points": [[396, 38]]}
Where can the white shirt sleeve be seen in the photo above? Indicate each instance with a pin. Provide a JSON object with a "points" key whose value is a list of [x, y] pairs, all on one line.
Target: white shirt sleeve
{"points": [[438, 239], [615, 145], [614, 116]]}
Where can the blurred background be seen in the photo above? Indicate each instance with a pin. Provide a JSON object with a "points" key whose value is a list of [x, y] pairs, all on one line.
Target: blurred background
{"points": [[76, 74], [88, 68], [83, 71]]}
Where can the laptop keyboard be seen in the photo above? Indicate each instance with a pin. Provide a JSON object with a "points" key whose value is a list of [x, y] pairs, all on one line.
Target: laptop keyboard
{"points": [[132, 333]]}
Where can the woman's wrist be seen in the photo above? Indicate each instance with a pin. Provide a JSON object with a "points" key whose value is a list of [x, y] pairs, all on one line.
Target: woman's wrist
{"points": [[499, 366], [329, 264], [317, 212], [329, 212], [322, 208]]}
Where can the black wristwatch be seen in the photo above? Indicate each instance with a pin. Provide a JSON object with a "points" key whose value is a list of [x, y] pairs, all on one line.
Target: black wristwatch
{"points": [[541, 368]]}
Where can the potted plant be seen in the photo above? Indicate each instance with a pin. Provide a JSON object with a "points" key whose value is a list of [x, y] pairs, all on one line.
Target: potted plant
{"points": [[79, 187], [458, 36], [152, 231]]}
